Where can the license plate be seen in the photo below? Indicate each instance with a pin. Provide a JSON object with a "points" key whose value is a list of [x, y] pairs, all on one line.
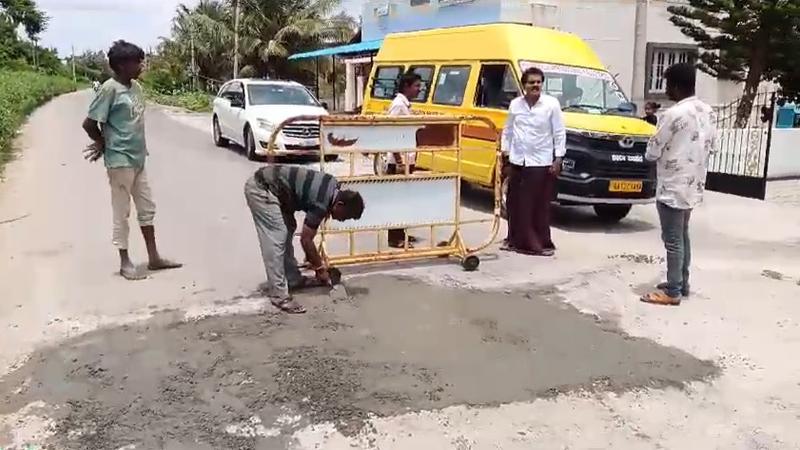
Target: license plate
{"points": [[624, 186]]}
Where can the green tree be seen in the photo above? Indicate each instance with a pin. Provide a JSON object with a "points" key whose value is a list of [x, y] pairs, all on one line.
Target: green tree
{"points": [[741, 40], [23, 13]]}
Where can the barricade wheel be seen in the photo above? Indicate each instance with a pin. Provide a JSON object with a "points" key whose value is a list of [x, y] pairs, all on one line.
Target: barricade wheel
{"points": [[471, 263], [336, 275]]}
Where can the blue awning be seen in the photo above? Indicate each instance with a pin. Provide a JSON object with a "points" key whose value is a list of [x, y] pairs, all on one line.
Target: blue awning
{"points": [[361, 47]]}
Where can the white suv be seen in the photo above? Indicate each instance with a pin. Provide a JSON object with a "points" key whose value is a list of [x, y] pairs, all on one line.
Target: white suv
{"points": [[246, 111]]}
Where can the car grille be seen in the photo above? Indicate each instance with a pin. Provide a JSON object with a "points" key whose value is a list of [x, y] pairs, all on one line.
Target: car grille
{"points": [[635, 171], [302, 130], [608, 145]]}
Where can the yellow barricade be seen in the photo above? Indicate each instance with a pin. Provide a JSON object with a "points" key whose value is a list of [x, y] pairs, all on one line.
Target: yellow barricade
{"points": [[429, 200]]}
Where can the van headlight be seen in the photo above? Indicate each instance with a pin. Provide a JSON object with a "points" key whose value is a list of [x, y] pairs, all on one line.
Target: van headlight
{"points": [[265, 125]]}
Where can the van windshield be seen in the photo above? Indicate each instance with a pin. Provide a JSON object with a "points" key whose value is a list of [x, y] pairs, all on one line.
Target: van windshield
{"points": [[582, 90]]}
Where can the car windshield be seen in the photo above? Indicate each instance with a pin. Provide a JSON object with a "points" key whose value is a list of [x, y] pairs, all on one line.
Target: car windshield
{"points": [[579, 89], [277, 94]]}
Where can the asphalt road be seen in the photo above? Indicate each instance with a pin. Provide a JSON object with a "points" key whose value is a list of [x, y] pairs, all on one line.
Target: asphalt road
{"points": [[526, 353]]}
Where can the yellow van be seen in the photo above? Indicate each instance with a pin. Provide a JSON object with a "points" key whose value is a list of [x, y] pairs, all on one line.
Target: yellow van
{"points": [[475, 70]]}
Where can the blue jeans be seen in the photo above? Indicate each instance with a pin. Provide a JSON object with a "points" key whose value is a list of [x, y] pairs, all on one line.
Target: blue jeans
{"points": [[675, 233]]}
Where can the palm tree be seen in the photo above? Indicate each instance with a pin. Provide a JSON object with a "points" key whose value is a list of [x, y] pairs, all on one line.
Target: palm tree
{"points": [[273, 29], [205, 31]]}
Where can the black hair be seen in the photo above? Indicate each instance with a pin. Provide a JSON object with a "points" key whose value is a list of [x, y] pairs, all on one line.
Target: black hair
{"points": [[531, 71], [653, 105], [407, 79], [682, 76], [123, 52], [352, 203]]}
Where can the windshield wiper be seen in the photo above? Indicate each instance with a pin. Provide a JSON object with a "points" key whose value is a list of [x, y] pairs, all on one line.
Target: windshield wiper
{"points": [[582, 106]]}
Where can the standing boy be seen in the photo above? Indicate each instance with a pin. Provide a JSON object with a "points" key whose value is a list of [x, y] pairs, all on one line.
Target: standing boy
{"points": [[115, 124]]}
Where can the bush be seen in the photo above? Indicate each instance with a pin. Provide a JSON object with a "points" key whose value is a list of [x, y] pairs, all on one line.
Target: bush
{"points": [[20, 93], [193, 101]]}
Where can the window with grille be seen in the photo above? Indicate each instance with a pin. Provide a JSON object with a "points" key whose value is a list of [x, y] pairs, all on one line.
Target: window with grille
{"points": [[659, 58]]}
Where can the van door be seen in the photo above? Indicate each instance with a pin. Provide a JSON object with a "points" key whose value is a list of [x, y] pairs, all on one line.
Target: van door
{"points": [[497, 87], [449, 95]]}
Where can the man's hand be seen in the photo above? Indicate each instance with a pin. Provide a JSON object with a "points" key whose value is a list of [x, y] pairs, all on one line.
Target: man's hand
{"points": [[94, 151], [555, 169], [323, 276], [505, 168]]}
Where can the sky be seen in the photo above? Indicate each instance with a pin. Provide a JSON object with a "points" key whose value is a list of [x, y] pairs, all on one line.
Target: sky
{"points": [[95, 24]]}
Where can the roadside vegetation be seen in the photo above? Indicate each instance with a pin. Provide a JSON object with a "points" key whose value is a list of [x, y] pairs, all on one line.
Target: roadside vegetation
{"points": [[29, 74]]}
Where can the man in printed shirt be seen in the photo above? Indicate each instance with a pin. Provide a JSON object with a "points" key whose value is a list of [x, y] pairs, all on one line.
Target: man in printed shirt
{"points": [[274, 194], [409, 88], [115, 124], [685, 138], [533, 144]]}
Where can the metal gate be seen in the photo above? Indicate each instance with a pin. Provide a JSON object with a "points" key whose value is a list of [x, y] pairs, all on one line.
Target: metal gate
{"points": [[740, 163]]}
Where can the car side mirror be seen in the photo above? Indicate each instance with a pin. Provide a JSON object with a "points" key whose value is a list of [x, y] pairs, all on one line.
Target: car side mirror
{"points": [[325, 105], [237, 102], [628, 108]]}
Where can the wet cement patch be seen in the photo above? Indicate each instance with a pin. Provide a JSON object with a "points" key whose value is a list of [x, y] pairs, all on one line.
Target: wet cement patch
{"points": [[395, 346]]}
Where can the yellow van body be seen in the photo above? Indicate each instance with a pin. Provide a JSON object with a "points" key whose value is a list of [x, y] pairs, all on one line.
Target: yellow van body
{"points": [[475, 51]]}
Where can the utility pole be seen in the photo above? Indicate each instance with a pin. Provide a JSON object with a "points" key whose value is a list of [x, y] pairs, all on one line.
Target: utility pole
{"points": [[236, 41], [194, 66], [639, 52], [74, 77]]}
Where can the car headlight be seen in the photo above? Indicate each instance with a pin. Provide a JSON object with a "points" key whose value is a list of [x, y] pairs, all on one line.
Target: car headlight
{"points": [[265, 125]]}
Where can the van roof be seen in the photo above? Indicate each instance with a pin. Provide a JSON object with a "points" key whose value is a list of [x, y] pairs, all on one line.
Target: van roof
{"points": [[503, 41]]}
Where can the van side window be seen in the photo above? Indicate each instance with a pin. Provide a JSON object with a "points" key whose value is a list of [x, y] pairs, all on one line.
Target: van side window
{"points": [[497, 86], [385, 83], [450, 85], [426, 73]]}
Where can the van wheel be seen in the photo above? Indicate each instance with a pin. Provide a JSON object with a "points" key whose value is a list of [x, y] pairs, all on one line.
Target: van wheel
{"points": [[612, 213], [380, 163]]}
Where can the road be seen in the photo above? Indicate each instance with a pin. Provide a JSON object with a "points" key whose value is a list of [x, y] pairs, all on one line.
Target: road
{"points": [[526, 353]]}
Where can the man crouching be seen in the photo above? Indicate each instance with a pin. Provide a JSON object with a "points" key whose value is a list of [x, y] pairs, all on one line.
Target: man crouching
{"points": [[274, 194]]}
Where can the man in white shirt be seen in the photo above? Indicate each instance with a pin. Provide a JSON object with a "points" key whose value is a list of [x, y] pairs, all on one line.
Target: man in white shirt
{"points": [[685, 138], [533, 144], [409, 87]]}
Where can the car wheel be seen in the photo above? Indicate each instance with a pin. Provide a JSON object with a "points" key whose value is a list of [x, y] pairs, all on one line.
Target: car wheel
{"points": [[219, 141], [612, 213], [249, 144]]}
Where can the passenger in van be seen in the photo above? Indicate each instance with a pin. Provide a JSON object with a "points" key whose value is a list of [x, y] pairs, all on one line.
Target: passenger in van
{"points": [[650, 110], [533, 144], [409, 88], [572, 96]]}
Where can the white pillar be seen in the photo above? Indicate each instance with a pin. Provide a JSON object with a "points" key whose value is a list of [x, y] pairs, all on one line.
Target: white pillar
{"points": [[360, 90], [349, 87], [639, 53]]}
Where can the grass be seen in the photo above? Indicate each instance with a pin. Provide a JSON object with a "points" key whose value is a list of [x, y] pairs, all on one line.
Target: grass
{"points": [[20, 93], [192, 101]]}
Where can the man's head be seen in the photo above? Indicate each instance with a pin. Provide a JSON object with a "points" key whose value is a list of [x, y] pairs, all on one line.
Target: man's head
{"points": [[681, 79], [532, 81], [126, 60], [348, 205], [410, 85]]}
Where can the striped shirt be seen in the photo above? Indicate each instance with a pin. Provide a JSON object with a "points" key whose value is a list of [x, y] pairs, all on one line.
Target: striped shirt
{"points": [[300, 189]]}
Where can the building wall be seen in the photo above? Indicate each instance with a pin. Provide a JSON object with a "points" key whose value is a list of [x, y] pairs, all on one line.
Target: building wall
{"points": [[784, 155]]}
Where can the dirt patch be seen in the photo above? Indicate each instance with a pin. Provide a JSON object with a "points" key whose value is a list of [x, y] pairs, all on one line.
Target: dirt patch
{"points": [[638, 258], [230, 382]]}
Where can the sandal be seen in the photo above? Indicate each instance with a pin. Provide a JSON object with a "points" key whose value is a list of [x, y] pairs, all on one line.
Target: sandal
{"points": [[288, 305], [663, 287], [660, 298]]}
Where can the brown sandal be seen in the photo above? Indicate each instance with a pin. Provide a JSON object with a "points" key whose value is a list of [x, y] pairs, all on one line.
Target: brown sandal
{"points": [[661, 298], [288, 305]]}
